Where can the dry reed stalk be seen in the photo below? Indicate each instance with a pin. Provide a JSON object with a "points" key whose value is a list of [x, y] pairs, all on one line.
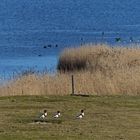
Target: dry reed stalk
{"points": [[97, 70]]}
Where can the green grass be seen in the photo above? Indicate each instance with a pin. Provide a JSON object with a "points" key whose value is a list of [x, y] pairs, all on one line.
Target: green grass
{"points": [[106, 118]]}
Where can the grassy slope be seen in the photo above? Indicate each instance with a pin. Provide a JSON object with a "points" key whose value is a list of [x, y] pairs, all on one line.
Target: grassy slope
{"points": [[107, 118]]}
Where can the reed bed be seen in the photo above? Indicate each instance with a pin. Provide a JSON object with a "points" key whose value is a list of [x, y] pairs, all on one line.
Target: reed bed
{"points": [[97, 70]]}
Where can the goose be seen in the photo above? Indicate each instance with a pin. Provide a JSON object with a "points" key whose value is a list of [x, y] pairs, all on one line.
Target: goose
{"points": [[81, 115], [57, 115], [44, 114]]}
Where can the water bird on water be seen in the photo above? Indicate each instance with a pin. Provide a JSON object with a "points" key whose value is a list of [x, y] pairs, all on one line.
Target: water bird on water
{"points": [[82, 39], [49, 46], [118, 39], [39, 55]]}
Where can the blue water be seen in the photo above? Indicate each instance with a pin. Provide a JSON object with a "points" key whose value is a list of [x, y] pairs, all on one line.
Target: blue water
{"points": [[27, 26]]}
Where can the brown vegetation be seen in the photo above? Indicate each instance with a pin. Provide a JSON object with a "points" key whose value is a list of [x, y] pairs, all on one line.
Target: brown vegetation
{"points": [[98, 70]]}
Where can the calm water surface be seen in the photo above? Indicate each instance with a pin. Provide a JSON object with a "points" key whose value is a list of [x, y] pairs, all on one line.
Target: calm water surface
{"points": [[33, 32]]}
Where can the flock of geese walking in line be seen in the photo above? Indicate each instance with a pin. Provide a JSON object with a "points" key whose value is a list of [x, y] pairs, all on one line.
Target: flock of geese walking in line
{"points": [[58, 115]]}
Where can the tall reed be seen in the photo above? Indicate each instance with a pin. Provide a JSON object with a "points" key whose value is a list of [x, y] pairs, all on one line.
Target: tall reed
{"points": [[97, 70]]}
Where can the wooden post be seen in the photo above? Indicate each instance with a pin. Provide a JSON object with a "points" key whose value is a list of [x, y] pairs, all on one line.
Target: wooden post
{"points": [[72, 84]]}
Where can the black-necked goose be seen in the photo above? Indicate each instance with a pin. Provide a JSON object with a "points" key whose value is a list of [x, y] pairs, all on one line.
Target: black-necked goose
{"points": [[57, 115], [81, 115], [44, 115]]}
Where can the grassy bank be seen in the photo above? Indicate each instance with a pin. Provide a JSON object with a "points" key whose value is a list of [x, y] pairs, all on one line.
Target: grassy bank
{"points": [[106, 118], [97, 70]]}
